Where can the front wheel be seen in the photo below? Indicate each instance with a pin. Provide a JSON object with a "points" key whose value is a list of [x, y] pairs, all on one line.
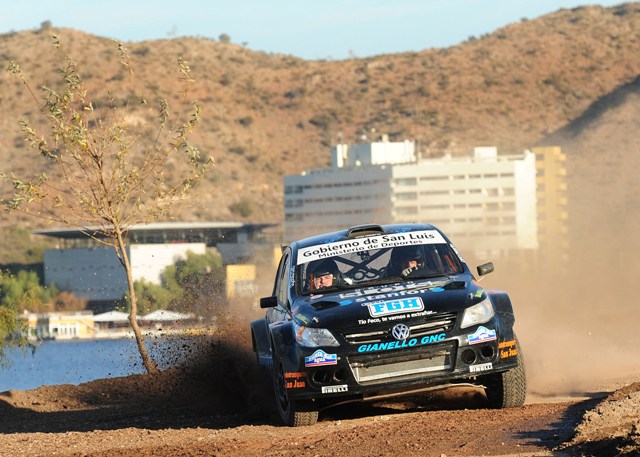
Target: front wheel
{"points": [[292, 413], [508, 389]]}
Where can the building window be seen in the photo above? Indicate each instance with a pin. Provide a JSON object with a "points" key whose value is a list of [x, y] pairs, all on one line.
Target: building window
{"points": [[405, 182], [407, 196], [293, 190], [434, 178], [435, 192], [407, 210], [442, 206]]}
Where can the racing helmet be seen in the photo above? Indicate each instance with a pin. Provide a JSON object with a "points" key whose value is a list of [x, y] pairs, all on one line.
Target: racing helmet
{"points": [[323, 268]]}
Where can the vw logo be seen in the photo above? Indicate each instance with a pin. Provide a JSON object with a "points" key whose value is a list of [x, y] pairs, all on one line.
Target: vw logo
{"points": [[400, 332]]}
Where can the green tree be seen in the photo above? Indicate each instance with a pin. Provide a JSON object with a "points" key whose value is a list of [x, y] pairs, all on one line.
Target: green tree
{"points": [[201, 276], [106, 173], [17, 293], [194, 284], [13, 332], [24, 292], [155, 296]]}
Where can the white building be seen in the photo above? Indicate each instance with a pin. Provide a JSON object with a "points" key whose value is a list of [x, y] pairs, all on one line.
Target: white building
{"points": [[92, 270], [485, 202]]}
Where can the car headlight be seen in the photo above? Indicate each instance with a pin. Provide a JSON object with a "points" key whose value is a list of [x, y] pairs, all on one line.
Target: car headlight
{"points": [[314, 337], [478, 314]]}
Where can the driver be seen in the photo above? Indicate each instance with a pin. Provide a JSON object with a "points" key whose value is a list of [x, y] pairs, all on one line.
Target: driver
{"points": [[323, 275], [405, 260]]}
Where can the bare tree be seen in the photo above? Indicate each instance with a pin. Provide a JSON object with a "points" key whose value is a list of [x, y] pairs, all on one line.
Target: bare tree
{"points": [[105, 173]]}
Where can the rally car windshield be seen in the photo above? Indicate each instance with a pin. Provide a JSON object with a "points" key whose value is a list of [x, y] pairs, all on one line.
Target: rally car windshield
{"points": [[374, 260]]}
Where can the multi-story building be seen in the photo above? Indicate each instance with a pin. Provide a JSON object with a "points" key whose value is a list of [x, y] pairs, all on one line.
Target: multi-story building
{"points": [[485, 202], [551, 185]]}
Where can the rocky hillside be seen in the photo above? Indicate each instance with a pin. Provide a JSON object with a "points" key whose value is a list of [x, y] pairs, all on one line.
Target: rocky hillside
{"points": [[267, 115]]}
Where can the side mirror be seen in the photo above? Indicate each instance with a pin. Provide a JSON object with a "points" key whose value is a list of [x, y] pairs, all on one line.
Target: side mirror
{"points": [[269, 302], [485, 268]]}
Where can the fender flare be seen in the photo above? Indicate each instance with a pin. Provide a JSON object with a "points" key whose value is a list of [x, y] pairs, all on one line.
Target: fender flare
{"points": [[260, 338]]}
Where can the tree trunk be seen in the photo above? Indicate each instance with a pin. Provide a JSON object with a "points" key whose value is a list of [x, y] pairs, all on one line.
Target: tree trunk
{"points": [[148, 362]]}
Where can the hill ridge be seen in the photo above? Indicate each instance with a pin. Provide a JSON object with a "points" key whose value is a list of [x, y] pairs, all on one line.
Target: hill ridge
{"points": [[268, 115]]}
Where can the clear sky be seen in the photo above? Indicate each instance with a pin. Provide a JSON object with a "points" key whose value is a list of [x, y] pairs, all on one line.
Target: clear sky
{"points": [[311, 29]]}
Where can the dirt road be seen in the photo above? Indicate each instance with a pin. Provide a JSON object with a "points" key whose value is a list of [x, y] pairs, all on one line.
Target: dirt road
{"points": [[220, 406]]}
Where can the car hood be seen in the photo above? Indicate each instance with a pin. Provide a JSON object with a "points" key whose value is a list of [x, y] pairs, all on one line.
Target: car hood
{"points": [[403, 300]]}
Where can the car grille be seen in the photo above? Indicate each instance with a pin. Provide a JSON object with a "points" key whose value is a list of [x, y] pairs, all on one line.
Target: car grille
{"points": [[402, 365], [430, 325]]}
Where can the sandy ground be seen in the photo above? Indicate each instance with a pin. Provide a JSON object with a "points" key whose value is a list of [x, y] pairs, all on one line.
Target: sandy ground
{"points": [[221, 405]]}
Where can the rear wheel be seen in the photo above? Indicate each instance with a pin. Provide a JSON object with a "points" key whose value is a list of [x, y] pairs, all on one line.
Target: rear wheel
{"points": [[508, 389], [293, 413]]}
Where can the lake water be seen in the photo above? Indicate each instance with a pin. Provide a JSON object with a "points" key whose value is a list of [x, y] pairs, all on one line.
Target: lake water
{"points": [[72, 362]]}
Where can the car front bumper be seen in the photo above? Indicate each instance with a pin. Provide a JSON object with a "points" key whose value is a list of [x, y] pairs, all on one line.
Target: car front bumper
{"points": [[347, 374]]}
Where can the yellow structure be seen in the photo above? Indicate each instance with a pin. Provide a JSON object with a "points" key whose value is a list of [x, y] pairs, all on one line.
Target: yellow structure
{"points": [[61, 325], [277, 255], [241, 280], [551, 185]]}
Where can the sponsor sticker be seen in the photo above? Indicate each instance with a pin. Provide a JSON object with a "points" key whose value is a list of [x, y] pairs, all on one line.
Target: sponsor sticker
{"points": [[388, 346], [480, 335], [507, 349], [335, 389], [295, 380], [480, 367], [338, 248], [457, 253], [387, 291], [401, 305], [320, 358]]}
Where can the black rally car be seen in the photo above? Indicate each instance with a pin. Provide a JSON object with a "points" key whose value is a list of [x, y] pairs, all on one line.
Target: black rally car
{"points": [[378, 311]]}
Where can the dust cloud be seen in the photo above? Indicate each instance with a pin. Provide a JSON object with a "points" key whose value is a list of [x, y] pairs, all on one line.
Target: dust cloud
{"points": [[577, 314], [578, 329]]}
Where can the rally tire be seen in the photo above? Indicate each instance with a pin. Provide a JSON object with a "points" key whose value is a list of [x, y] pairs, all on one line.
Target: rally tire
{"points": [[292, 413], [508, 389]]}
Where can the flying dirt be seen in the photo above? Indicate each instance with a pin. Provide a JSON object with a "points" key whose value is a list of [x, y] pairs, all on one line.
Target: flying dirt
{"points": [[221, 404]]}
